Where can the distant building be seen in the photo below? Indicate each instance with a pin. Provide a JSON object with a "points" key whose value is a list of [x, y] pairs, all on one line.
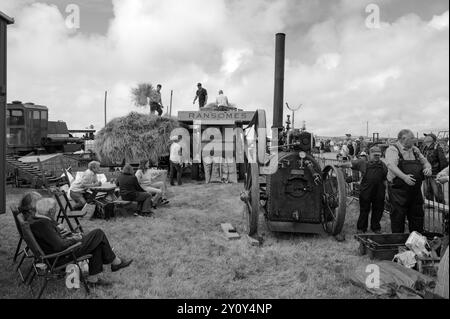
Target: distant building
{"points": [[4, 21]]}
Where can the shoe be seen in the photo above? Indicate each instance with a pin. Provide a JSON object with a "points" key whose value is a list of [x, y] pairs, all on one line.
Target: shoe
{"points": [[360, 232], [377, 232], [99, 283], [164, 202], [125, 263], [172, 184]]}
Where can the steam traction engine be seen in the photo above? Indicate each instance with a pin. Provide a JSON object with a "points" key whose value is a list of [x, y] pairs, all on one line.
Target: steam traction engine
{"points": [[284, 181]]}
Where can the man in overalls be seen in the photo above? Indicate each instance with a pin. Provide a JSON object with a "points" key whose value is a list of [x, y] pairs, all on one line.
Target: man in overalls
{"points": [[407, 170], [372, 190]]}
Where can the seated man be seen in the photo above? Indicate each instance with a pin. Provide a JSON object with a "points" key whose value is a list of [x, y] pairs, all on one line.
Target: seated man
{"points": [[78, 189], [130, 190], [95, 243], [145, 177]]}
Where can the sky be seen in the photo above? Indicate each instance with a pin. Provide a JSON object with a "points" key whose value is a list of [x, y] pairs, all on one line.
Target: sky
{"points": [[344, 69]]}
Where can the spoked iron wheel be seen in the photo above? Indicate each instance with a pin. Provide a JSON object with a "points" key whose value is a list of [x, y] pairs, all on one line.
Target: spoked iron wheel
{"points": [[257, 151], [334, 200], [250, 197]]}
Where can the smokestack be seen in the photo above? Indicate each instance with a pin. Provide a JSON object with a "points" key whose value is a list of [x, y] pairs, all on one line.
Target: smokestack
{"points": [[279, 80]]}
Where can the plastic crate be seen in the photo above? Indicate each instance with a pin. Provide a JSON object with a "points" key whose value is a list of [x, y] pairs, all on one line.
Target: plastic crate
{"points": [[385, 246], [381, 247]]}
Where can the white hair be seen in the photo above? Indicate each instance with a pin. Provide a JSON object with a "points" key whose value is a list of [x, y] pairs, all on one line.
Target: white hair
{"points": [[47, 207]]}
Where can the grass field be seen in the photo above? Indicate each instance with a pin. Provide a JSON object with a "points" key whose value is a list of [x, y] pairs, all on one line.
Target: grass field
{"points": [[181, 252]]}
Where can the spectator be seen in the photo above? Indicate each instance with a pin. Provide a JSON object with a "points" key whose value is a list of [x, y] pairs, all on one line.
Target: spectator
{"points": [[351, 149], [372, 191], [344, 152], [176, 160], [155, 101], [130, 190], [361, 146], [222, 100], [436, 157], [144, 176], [94, 243], [407, 168], [201, 95], [78, 189]]}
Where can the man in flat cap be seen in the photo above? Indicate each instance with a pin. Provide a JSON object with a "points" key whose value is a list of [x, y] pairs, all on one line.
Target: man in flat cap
{"points": [[372, 190], [436, 157]]}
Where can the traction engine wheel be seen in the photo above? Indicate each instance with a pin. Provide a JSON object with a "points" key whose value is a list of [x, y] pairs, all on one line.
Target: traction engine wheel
{"points": [[334, 200]]}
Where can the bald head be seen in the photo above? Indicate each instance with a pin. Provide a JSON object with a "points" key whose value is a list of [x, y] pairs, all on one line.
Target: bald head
{"points": [[47, 207]]}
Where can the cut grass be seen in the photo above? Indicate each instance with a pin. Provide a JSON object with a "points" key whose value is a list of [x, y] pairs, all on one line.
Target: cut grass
{"points": [[182, 253]]}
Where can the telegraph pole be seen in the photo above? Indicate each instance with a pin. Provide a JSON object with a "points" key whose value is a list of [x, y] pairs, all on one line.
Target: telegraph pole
{"points": [[171, 97], [106, 97], [367, 130]]}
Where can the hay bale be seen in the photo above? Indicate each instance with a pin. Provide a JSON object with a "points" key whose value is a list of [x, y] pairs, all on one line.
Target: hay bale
{"points": [[134, 137]]}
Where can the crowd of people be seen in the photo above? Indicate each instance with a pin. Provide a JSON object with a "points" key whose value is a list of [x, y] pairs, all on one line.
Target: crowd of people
{"points": [[405, 177], [140, 186], [40, 212]]}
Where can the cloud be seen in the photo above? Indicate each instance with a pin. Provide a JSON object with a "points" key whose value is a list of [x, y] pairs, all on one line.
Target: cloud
{"points": [[440, 22], [344, 73]]}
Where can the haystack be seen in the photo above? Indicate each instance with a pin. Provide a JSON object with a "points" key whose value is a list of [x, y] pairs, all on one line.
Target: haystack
{"points": [[134, 137]]}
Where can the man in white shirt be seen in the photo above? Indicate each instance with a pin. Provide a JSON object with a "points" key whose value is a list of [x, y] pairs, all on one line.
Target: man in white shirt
{"points": [[78, 189], [222, 100], [176, 162]]}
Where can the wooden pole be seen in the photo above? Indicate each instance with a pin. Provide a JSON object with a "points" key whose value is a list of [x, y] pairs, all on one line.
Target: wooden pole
{"points": [[106, 97], [171, 98]]}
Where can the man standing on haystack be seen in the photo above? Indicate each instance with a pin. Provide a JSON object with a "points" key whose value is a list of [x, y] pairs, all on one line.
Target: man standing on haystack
{"points": [[155, 101], [201, 95]]}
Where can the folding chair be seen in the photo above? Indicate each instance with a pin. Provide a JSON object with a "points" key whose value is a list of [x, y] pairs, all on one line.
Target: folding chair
{"points": [[19, 251], [24, 251], [50, 266], [66, 212]]}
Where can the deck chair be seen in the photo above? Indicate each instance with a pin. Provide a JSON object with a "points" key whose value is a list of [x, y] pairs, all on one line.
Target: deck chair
{"points": [[24, 251], [50, 266], [66, 212]]}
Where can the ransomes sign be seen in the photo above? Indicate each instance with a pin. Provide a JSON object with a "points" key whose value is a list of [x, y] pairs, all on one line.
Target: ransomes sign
{"points": [[215, 116]]}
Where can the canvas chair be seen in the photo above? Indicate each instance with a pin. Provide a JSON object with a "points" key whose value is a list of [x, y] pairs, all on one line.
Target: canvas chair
{"points": [[50, 266], [66, 212], [24, 252]]}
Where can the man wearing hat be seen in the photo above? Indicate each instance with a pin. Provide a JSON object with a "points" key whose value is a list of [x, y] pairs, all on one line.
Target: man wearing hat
{"points": [[436, 156], [407, 170], [372, 190]]}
